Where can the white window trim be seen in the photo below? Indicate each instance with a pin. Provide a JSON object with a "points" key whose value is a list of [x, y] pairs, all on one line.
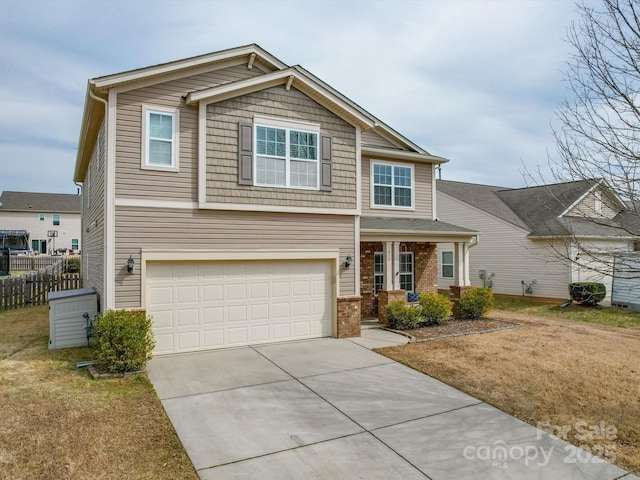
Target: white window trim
{"points": [[77, 240], [53, 220], [373, 205], [175, 147], [304, 127], [375, 294], [413, 271], [442, 264]]}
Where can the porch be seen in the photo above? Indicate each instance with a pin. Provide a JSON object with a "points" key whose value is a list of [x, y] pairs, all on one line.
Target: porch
{"points": [[399, 259]]}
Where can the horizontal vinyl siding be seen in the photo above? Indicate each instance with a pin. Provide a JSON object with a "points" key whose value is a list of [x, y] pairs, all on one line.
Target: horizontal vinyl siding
{"points": [[138, 229], [92, 243], [369, 137], [222, 150], [587, 207], [133, 181], [423, 193], [503, 249]]}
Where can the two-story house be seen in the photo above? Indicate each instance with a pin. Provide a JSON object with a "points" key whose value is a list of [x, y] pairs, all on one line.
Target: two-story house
{"points": [[239, 200], [46, 222]]}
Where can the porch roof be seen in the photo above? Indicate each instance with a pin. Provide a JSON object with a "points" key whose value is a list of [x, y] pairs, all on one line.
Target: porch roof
{"points": [[413, 229]]}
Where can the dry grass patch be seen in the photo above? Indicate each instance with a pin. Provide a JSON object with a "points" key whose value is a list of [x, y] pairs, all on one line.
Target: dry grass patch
{"points": [[549, 372], [57, 422]]}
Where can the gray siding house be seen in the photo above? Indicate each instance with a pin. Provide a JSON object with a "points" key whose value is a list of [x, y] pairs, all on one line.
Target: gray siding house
{"points": [[240, 200], [533, 240]]}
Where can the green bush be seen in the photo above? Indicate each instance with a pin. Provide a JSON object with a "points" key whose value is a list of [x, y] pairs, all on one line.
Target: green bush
{"points": [[475, 302], [122, 341], [402, 316], [587, 293], [435, 307], [73, 265]]}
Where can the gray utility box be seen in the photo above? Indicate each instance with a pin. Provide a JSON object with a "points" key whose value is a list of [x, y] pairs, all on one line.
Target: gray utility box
{"points": [[625, 289], [67, 319]]}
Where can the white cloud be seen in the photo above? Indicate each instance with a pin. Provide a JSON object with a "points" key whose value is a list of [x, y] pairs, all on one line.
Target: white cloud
{"points": [[476, 82]]}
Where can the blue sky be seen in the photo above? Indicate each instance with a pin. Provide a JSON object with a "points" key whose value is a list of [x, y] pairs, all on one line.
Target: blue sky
{"points": [[474, 81]]}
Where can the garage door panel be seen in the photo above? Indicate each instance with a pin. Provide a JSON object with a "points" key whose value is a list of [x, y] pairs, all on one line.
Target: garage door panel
{"points": [[213, 338], [259, 312], [236, 291], [281, 331], [213, 315], [161, 295], [237, 336], [188, 317], [237, 313], [259, 333], [203, 305], [280, 310], [189, 340], [212, 292], [188, 294]]}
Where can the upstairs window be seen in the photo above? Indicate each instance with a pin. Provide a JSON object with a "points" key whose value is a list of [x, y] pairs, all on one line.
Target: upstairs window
{"points": [[392, 185], [56, 219], [41, 216], [286, 157], [160, 145]]}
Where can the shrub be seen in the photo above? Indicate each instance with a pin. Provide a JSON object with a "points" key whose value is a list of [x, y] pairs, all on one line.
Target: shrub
{"points": [[73, 265], [122, 341], [475, 302], [402, 316], [435, 307], [587, 293]]}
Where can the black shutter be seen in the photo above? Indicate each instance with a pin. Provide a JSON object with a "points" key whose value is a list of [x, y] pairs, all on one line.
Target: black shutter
{"points": [[325, 164], [245, 153]]}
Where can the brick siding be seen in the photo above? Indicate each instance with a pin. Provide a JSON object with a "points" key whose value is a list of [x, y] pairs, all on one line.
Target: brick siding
{"points": [[349, 316]]}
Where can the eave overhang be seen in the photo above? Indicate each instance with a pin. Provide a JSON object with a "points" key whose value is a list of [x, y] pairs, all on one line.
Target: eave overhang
{"points": [[290, 77], [390, 154]]}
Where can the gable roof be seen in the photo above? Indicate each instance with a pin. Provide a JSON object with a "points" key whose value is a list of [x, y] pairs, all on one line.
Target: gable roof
{"points": [[40, 202], [276, 73], [541, 210]]}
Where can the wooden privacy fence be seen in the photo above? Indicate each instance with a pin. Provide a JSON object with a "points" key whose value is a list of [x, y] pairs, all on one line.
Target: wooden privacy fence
{"points": [[32, 289], [32, 263]]}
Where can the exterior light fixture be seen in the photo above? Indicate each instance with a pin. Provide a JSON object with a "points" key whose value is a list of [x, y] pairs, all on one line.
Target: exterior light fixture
{"points": [[130, 264], [348, 261]]}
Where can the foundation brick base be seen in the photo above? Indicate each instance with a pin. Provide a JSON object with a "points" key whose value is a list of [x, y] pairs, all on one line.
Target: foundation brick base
{"points": [[349, 316], [385, 297]]}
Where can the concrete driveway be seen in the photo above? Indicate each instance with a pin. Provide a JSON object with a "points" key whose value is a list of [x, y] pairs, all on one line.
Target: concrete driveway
{"points": [[333, 409]]}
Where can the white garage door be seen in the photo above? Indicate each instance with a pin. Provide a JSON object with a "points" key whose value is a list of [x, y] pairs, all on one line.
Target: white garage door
{"points": [[199, 306]]}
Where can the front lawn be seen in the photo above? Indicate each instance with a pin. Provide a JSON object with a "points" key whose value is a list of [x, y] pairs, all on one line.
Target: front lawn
{"points": [[58, 422], [578, 380]]}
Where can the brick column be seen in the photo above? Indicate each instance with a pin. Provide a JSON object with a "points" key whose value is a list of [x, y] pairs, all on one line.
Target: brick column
{"points": [[349, 316], [385, 297]]}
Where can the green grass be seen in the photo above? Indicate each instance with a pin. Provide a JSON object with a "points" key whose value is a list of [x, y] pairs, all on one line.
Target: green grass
{"points": [[598, 315]]}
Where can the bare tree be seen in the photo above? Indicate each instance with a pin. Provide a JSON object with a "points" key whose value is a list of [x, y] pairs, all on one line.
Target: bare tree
{"points": [[597, 129]]}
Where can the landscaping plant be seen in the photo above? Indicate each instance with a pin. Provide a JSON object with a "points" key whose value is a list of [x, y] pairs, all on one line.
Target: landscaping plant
{"points": [[435, 307], [402, 316], [587, 293], [122, 341], [475, 303]]}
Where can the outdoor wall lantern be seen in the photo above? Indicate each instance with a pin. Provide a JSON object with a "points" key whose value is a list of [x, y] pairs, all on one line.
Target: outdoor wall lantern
{"points": [[348, 261], [130, 264]]}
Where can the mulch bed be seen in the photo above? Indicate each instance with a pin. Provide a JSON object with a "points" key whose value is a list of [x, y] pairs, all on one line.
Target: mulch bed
{"points": [[457, 328]]}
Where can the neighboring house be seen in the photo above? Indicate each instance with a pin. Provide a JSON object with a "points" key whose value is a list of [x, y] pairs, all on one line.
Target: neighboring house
{"points": [[239, 200], [50, 221], [529, 236]]}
